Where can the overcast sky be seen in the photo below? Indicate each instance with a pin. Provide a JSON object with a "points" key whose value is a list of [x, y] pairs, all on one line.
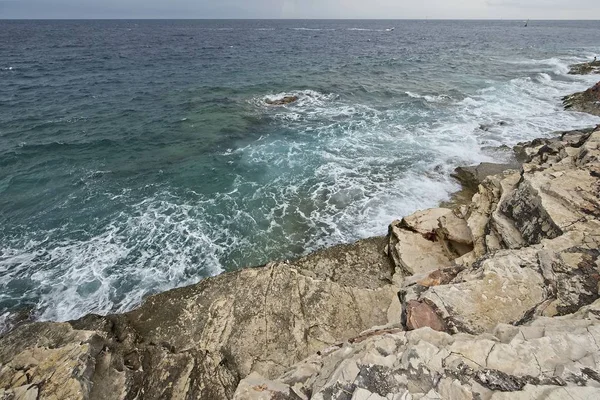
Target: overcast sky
{"points": [[388, 9]]}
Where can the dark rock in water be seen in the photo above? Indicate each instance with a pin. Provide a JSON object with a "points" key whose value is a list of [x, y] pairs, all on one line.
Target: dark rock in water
{"points": [[585, 68], [283, 101], [487, 127], [587, 101], [472, 176]]}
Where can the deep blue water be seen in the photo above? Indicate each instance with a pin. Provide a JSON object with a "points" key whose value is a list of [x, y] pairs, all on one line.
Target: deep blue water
{"points": [[137, 156]]}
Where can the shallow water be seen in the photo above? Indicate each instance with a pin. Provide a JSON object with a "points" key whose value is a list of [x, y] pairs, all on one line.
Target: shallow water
{"points": [[137, 156]]}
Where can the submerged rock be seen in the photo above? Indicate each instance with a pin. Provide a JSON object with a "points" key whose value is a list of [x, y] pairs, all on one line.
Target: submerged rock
{"points": [[488, 127], [282, 101]]}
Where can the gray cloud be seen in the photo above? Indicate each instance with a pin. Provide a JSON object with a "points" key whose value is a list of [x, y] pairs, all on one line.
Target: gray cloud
{"points": [[533, 9]]}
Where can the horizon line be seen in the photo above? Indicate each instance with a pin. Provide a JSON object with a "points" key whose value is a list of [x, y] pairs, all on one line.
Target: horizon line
{"points": [[286, 19]]}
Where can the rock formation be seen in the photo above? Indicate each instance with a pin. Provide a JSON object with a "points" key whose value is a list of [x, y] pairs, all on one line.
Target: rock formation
{"points": [[493, 299], [198, 341], [283, 101], [587, 101], [499, 297], [592, 67], [551, 358]]}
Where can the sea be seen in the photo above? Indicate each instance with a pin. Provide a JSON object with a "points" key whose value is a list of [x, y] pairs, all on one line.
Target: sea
{"points": [[138, 156]]}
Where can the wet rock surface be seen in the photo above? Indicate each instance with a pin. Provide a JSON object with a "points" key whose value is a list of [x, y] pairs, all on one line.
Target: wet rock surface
{"points": [[282, 101]]}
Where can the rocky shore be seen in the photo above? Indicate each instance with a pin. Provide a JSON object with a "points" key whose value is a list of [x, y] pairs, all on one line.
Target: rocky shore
{"points": [[494, 298], [592, 67]]}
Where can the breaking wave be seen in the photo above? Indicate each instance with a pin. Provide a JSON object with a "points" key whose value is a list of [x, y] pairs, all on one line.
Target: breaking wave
{"points": [[208, 177]]}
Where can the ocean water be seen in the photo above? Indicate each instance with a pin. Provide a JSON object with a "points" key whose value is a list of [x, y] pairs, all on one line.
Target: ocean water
{"points": [[138, 156]]}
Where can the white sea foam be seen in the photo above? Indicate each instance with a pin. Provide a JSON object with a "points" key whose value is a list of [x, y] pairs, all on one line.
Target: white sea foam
{"points": [[343, 170], [429, 98], [544, 78], [366, 30], [6, 322], [556, 65], [312, 29], [157, 245], [374, 166]]}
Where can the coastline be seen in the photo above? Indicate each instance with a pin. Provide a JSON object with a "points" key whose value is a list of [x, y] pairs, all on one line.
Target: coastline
{"points": [[202, 340]]}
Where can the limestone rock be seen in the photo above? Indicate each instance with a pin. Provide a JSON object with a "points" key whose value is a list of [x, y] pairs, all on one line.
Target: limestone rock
{"points": [[480, 212], [439, 277], [555, 197], [361, 264], [552, 356], [424, 222], [257, 388], [535, 244], [46, 360], [455, 235], [199, 341], [415, 254], [502, 289], [473, 176], [420, 314]]}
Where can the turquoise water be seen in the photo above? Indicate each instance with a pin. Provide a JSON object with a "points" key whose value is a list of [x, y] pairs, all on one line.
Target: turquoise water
{"points": [[138, 156]]}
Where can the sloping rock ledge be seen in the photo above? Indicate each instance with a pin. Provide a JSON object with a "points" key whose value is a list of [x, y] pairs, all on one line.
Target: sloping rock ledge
{"points": [[587, 101], [493, 299]]}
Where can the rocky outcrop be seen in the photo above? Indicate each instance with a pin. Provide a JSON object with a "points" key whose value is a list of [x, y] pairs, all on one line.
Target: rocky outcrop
{"points": [[282, 101], [587, 101], [499, 297], [473, 176], [592, 67], [535, 236], [199, 341]]}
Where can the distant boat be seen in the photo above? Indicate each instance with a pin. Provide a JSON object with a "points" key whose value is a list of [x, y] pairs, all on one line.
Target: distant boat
{"points": [[390, 29], [526, 23]]}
